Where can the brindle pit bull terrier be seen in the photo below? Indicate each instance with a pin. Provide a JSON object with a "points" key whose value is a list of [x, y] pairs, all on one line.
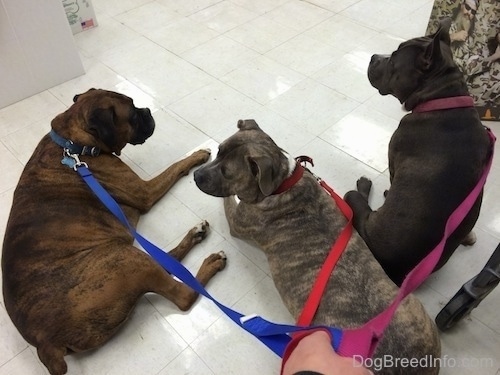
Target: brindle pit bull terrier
{"points": [[71, 276], [435, 158], [296, 229]]}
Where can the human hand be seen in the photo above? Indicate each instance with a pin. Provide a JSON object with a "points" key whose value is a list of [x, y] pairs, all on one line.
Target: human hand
{"points": [[315, 353], [459, 36], [495, 56]]}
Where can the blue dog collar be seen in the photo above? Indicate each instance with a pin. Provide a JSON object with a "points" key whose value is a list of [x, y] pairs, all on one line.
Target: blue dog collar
{"points": [[73, 148]]}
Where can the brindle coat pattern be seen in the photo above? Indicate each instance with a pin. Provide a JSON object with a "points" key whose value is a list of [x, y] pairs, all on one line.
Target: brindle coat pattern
{"points": [[296, 230], [71, 275], [435, 159]]}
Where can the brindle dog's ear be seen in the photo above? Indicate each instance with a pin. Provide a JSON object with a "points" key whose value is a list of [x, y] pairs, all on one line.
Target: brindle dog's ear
{"points": [[75, 98], [248, 125], [262, 168], [101, 124]]}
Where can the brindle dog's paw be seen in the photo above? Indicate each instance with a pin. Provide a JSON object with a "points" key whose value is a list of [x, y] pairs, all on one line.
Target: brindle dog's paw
{"points": [[364, 185], [216, 261], [199, 232]]}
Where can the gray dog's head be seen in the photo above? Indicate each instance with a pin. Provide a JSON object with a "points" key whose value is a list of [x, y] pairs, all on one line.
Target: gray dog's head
{"points": [[249, 164], [105, 119], [413, 65]]}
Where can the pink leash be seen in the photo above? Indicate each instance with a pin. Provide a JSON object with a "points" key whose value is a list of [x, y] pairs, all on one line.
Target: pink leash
{"points": [[363, 341]]}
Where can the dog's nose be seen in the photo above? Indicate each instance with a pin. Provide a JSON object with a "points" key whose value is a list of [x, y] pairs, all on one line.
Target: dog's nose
{"points": [[198, 177], [375, 60]]}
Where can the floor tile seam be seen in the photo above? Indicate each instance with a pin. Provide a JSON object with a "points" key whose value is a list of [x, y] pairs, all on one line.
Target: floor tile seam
{"points": [[176, 328], [492, 233], [27, 347], [376, 171], [380, 12], [179, 355], [12, 153], [243, 6], [34, 121], [338, 92], [264, 15]]}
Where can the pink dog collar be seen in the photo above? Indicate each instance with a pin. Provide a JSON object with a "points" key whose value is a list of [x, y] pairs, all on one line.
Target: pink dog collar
{"points": [[445, 103]]}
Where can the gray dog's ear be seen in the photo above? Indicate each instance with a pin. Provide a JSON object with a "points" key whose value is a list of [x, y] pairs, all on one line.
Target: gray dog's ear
{"points": [[248, 125], [263, 169], [444, 25], [443, 32], [433, 52]]}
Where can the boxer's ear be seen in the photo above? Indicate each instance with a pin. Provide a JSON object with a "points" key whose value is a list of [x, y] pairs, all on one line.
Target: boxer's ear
{"points": [[262, 168], [75, 98], [101, 126]]}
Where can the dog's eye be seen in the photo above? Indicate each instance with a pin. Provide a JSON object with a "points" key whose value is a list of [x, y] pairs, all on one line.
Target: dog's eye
{"points": [[134, 118], [254, 168]]}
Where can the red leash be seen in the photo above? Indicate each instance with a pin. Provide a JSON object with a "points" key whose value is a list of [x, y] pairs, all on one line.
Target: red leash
{"points": [[312, 303], [318, 289]]}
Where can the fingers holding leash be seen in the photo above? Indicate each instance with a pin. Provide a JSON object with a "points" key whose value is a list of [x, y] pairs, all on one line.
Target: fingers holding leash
{"points": [[313, 355]]}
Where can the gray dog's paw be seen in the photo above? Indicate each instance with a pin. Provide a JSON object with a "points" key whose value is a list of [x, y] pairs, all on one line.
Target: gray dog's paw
{"points": [[364, 185], [200, 231], [470, 239]]}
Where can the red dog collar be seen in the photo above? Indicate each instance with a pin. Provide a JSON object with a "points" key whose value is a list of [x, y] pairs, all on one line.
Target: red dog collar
{"points": [[290, 181]]}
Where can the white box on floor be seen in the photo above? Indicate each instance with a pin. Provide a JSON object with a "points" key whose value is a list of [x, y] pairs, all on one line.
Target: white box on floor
{"points": [[37, 49], [80, 14]]}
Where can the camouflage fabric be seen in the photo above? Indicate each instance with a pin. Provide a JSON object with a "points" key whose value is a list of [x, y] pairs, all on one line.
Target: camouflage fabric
{"points": [[483, 77]]}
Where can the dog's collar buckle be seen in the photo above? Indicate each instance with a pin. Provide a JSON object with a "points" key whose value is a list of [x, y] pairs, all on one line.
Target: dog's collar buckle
{"points": [[304, 160], [74, 149], [72, 160], [296, 174]]}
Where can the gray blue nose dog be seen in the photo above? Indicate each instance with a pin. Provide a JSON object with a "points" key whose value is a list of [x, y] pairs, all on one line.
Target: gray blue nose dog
{"points": [[436, 156], [296, 229]]}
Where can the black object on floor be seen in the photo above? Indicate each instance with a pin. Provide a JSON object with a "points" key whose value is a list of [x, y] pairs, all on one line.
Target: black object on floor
{"points": [[471, 293]]}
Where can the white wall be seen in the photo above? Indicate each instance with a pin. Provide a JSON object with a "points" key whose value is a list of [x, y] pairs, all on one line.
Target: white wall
{"points": [[37, 49]]}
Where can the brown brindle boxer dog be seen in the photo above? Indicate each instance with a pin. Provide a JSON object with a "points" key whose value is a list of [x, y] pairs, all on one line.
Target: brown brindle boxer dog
{"points": [[71, 275]]}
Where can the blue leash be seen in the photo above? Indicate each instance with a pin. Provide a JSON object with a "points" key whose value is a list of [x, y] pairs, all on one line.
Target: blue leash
{"points": [[274, 336]]}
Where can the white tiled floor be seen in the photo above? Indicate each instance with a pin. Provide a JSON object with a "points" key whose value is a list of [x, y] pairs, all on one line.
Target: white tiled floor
{"points": [[299, 68]]}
